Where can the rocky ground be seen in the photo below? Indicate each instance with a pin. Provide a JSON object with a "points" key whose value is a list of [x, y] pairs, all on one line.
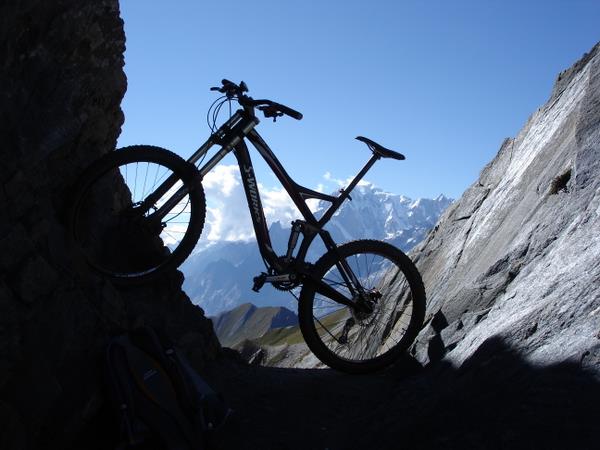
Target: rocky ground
{"points": [[496, 400]]}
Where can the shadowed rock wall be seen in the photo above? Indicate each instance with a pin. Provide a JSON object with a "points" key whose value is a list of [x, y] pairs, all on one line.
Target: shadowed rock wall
{"points": [[61, 84]]}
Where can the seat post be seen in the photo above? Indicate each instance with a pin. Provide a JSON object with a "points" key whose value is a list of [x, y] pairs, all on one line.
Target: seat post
{"points": [[361, 174], [345, 193]]}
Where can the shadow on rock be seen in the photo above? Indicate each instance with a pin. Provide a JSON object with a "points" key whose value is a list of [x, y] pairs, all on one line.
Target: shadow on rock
{"points": [[495, 400]]}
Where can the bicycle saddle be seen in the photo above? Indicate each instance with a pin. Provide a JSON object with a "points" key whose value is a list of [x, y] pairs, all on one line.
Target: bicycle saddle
{"points": [[380, 150]]}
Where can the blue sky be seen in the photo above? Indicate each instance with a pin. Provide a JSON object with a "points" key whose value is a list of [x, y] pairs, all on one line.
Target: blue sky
{"points": [[443, 82]]}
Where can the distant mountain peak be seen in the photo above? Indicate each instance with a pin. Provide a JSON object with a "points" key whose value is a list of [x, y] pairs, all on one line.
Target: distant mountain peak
{"points": [[247, 321]]}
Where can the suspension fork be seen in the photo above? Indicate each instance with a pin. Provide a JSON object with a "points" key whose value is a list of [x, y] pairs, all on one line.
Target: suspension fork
{"points": [[324, 289], [164, 209], [344, 269], [230, 134]]}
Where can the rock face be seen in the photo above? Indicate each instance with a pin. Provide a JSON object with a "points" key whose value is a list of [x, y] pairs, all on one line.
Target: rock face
{"points": [[517, 258], [61, 85]]}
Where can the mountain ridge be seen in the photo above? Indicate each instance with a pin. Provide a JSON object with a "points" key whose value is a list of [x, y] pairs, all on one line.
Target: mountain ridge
{"points": [[247, 321]]}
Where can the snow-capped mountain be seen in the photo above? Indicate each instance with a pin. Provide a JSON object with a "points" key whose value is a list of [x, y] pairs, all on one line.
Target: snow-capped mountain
{"points": [[218, 275], [376, 214]]}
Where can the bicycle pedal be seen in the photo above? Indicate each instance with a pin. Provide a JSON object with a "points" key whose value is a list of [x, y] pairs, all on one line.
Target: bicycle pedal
{"points": [[259, 282]]}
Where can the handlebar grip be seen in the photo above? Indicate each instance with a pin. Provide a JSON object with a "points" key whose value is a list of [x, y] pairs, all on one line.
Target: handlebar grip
{"points": [[289, 111]]}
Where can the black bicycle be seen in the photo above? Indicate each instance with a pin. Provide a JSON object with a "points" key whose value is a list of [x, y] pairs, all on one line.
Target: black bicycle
{"points": [[361, 304]]}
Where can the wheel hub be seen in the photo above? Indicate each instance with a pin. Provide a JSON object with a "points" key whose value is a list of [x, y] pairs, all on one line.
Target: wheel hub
{"points": [[366, 305]]}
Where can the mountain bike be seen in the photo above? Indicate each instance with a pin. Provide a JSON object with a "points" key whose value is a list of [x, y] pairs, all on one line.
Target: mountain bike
{"points": [[139, 212]]}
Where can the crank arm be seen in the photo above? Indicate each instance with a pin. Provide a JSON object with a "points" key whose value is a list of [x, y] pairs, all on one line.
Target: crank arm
{"points": [[263, 278]]}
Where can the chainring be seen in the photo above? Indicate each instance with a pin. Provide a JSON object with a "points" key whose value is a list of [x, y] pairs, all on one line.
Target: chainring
{"points": [[285, 285]]}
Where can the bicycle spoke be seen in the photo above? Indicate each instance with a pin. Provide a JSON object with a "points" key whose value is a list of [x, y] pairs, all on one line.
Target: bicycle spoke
{"points": [[326, 330], [135, 182], [163, 177], [180, 212], [377, 327], [145, 178], [110, 224]]}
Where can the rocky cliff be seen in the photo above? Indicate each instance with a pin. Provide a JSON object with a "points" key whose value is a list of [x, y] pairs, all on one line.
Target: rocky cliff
{"points": [[517, 258], [61, 85]]}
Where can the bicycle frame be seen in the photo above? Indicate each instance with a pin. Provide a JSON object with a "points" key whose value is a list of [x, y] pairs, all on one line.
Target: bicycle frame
{"points": [[230, 136]]}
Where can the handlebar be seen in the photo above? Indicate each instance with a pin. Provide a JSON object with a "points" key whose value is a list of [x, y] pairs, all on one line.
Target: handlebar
{"points": [[268, 107], [274, 109]]}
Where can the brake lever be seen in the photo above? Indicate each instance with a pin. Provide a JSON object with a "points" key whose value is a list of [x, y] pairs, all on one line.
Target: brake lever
{"points": [[270, 111], [225, 88]]}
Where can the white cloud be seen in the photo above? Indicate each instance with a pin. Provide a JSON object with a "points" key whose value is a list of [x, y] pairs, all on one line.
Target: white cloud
{"points": [[223, 179], [227, 214], [328, 177], [341, 183], [278, 205]]}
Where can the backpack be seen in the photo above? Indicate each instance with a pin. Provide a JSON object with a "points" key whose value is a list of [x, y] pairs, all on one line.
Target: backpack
{"points": [[158, 396]]}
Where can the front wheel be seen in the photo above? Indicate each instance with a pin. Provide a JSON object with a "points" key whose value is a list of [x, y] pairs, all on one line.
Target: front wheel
{"points": [[388, 316], [118, 226]]}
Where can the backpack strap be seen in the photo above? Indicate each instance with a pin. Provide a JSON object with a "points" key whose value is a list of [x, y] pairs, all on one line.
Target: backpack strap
{"points": [[209, 403], [121, 393], [146, 397], [201, 404], [162, 350]]}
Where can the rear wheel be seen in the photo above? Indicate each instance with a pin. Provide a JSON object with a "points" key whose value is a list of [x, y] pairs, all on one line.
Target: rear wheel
{"points": [[118, 235], [388, 315]]}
